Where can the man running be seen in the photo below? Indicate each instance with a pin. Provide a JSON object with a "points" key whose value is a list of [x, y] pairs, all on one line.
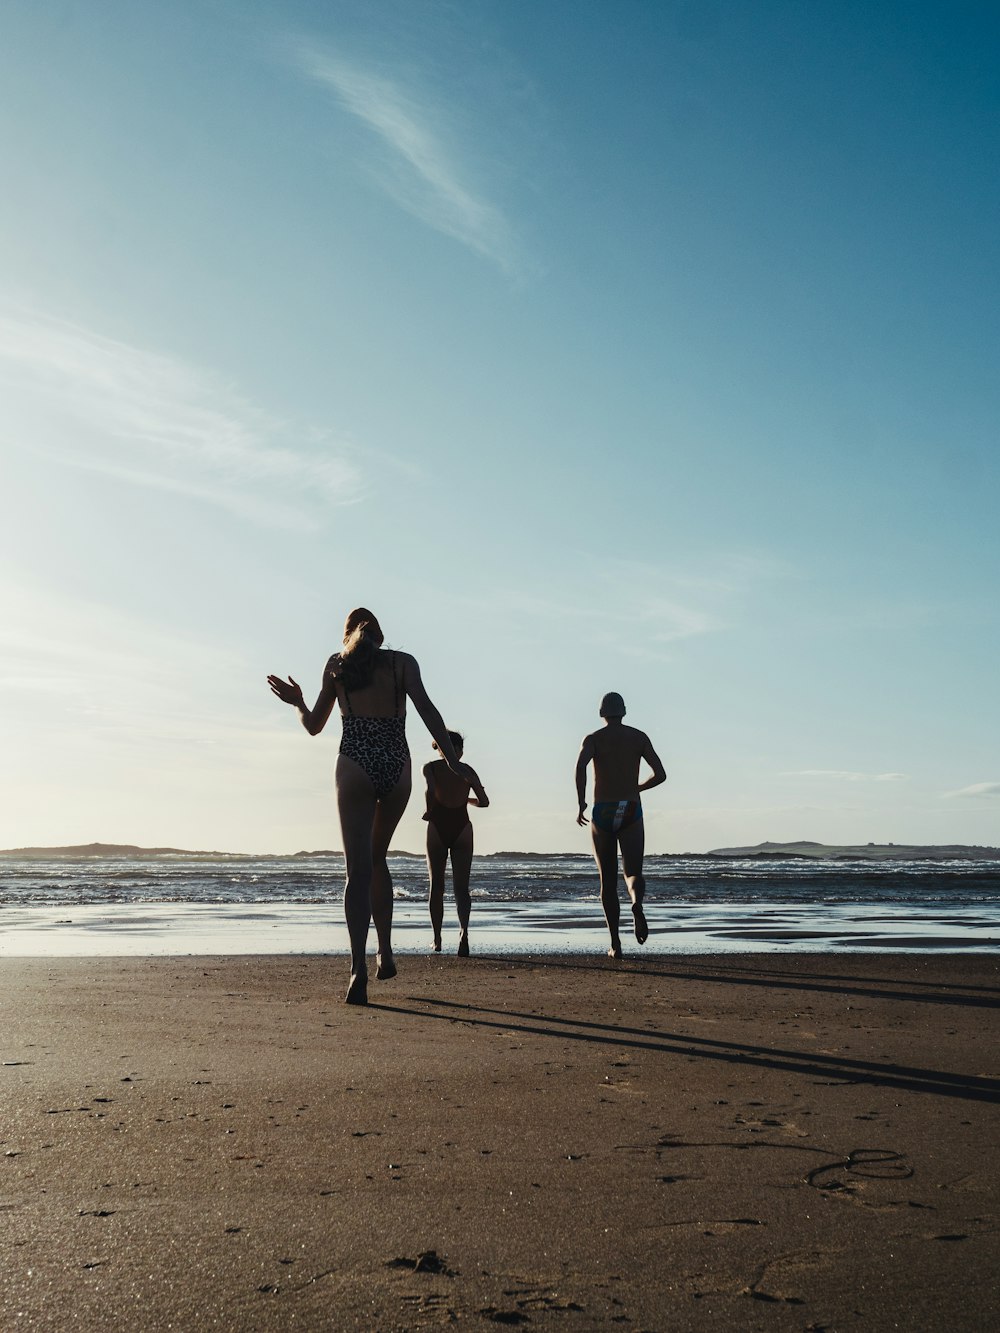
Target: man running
{"points": [[616, 819]]}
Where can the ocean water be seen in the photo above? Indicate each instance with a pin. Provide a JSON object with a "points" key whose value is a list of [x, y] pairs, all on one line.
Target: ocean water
{"points": [[175, 905]]}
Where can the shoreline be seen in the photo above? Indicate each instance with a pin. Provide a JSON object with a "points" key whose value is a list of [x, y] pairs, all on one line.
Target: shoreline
{"points": [[558, 927], [693, 1142]]}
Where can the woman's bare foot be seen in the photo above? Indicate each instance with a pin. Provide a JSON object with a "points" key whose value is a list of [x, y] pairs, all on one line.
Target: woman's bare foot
{"points": [[641, 926], [385, 966], [437, 943], [357, 991], [463, 946], [616, 950]]}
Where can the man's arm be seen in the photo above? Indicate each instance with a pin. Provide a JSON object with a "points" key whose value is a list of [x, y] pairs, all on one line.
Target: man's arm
{"points": [[585, 756], [653, 760]]}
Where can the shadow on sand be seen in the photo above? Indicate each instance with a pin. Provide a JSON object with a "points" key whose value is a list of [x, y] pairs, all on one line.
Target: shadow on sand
{"points": [[828, 1068], [917, 992]]}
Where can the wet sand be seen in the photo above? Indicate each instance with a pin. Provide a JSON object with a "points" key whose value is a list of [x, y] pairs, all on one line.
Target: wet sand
{"points": [[782, 1142]]}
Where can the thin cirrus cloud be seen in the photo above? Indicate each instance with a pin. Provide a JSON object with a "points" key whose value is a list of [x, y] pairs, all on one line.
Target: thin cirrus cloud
{"points": [[111, 692], [92, 657], [639, 609], [637, 626], [844, 775], [419, 170], [104, 406], [634, 624], [976, 789]]}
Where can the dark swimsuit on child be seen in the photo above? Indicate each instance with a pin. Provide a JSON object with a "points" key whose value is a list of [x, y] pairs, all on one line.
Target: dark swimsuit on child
{"points": [[449, 820], [376, 744]]}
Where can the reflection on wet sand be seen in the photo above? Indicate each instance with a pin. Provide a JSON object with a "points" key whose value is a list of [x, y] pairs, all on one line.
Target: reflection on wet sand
{"points": [[506, 927]]}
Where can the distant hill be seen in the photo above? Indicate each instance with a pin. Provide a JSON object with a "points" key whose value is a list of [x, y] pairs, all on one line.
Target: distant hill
{"points": [[868, 851], [774, 851], [127, 852], [104, 849]]}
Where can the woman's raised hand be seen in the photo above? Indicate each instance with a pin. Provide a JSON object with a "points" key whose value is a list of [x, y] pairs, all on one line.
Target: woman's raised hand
{"points": [[288, 691]]}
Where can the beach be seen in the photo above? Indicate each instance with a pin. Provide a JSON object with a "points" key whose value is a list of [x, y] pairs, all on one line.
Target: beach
{"points": [[787, 1141]]}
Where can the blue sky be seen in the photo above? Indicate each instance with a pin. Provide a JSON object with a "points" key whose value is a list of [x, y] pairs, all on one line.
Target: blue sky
{"points": [[647, 347]]}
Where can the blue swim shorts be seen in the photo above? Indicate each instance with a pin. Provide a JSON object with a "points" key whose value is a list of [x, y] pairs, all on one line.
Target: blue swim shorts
{"points": [[615, 816]]}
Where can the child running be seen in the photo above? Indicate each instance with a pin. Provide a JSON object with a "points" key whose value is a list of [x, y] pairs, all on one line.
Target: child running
{"points": [[449, 833]]}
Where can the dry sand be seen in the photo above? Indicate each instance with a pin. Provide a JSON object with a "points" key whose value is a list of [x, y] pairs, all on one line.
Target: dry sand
{"points": [[779, 1142]]}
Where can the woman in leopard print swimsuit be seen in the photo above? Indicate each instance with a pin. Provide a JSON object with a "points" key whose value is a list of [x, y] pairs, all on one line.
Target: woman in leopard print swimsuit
{"points": [[371, 684]]}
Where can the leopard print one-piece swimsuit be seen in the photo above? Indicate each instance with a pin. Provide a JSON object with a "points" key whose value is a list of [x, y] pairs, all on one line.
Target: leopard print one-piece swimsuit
{"points": [[377, 744]]}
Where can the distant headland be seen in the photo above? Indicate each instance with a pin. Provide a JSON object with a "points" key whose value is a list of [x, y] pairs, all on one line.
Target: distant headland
{"points": [[777, 851], [127, 852], [866, 851]]}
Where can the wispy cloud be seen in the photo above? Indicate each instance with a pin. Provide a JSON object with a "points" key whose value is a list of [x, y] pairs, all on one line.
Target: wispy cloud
{"points": [[96, 659], [633, 609], [420, 170], [626, 620], [114, 722], [109, 679], [658, 620], [102, 405], [844, 775], [976, 789]]}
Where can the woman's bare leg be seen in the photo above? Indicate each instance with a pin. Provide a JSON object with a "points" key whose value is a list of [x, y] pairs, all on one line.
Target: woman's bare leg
{"points": [[437, 865], [356, 806], [461, 869], [388, 813]]}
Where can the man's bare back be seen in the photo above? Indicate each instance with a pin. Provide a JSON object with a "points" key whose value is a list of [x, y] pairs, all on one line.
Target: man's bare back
{"points": [[616, 751]]}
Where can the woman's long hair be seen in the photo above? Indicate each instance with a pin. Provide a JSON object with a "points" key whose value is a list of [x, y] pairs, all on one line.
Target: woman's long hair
{"points": [[354, 665]]}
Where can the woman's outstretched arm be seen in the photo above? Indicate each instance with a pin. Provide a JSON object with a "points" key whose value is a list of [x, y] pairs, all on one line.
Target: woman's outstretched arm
{"points": [[429, 715], [290, 692]]}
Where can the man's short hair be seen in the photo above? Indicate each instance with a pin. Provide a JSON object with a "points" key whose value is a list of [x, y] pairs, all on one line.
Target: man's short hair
{"points": [[612, 705]]}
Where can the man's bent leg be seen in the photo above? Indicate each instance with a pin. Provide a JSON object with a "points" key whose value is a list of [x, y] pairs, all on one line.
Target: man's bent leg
{"points": [[606, 856], [633, 845]]}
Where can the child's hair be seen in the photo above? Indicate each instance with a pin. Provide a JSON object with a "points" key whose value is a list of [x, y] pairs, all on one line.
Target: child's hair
{"points": [[355, 664], [456, 738]]}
